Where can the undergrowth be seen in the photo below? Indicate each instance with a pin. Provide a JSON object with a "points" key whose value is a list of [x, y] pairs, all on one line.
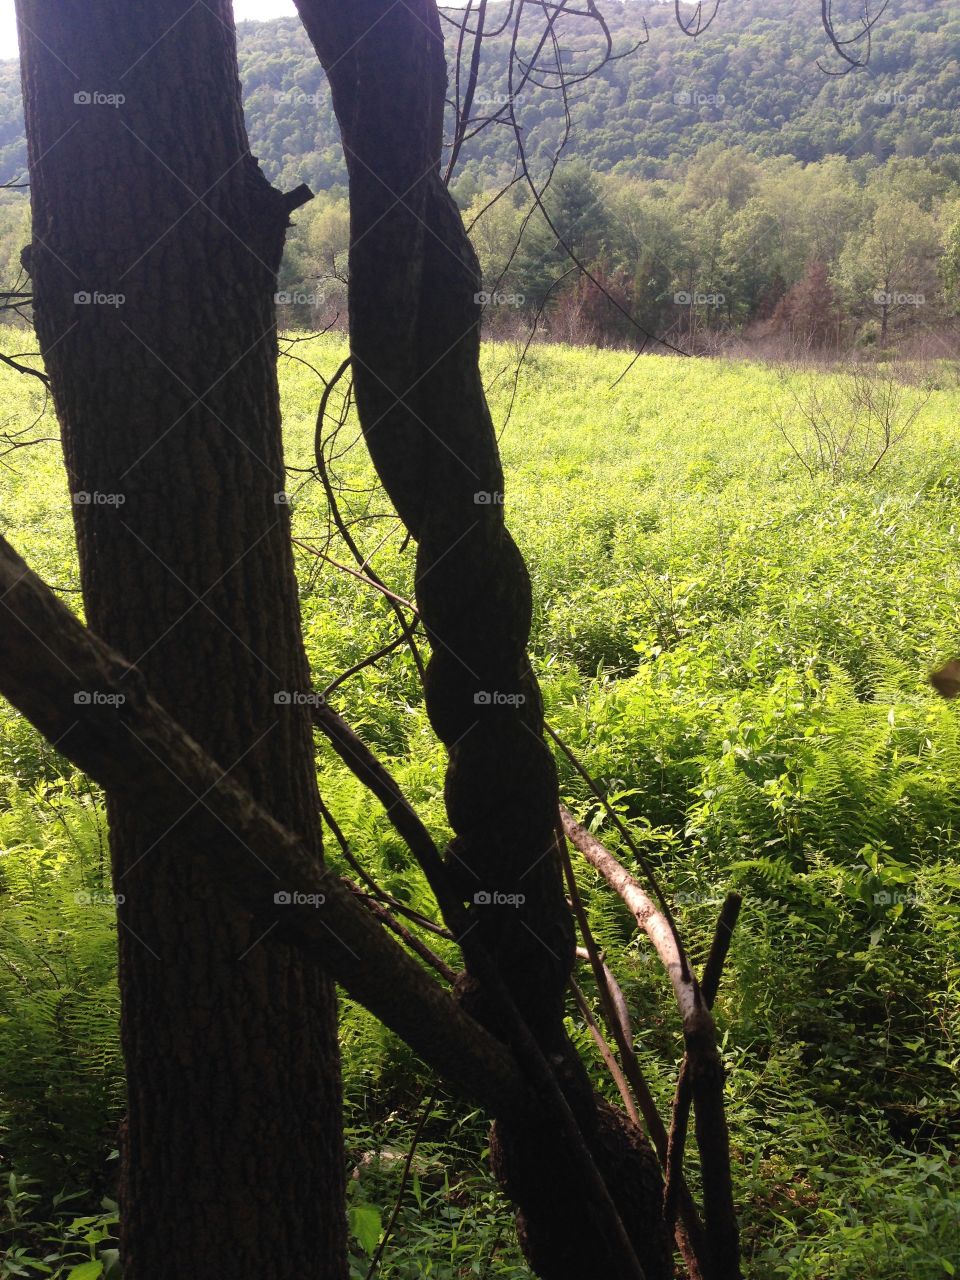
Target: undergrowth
{"points": [[739, 654]]}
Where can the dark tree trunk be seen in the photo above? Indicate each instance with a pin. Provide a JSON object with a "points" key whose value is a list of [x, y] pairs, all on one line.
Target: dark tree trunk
{"points": [[415, 341], [232, 1161]]}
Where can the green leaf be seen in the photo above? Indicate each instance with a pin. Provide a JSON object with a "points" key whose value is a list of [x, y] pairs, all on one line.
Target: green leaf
{"points": [[111, 1262], [365, 1225], [86, 1271]]}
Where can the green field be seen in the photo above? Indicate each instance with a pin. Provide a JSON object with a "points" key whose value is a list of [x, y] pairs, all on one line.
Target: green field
{"points": [[739, 651]]}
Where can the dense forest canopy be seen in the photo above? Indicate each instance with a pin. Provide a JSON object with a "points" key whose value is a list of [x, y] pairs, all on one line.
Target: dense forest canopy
{"points": [[719, 184], [752, 79]]}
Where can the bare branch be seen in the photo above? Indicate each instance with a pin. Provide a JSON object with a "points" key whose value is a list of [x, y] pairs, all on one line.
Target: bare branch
{"points": [[855, 50], [699, 1033]]}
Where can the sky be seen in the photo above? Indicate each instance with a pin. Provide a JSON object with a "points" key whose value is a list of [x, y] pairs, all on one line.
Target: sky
{"points": [[242, 9]]}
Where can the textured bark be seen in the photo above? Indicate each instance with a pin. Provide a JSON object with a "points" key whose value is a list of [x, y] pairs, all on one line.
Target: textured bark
{"points": [[415, 340], [231, 1158]]}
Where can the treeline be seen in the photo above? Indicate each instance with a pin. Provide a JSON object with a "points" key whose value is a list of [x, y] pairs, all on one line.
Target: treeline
{"points": [[828, 255], [752, 80]]}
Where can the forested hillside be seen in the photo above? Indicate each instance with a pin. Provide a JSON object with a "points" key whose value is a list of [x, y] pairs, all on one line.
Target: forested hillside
{"points": [[719, 186], [752, 79]]}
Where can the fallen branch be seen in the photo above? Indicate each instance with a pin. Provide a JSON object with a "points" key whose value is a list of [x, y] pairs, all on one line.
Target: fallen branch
{"points": [[700, 1039], [684, 1093], [690, 1236]]}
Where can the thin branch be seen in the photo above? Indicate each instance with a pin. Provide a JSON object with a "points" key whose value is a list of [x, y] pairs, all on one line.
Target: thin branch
{"points": [[23, 368], [410, 939], [606, 1053], [696, 25], [403, 1182], [691, 1238], [684, 1093], [631, 844], [857, 60], [370, 574]]}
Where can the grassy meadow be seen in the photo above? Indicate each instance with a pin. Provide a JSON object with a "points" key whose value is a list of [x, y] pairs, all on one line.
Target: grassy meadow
{"points": [[739, 652]]}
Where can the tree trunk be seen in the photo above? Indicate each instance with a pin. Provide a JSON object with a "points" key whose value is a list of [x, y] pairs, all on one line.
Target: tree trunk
{"points": [[415, 342], [154, 258]]}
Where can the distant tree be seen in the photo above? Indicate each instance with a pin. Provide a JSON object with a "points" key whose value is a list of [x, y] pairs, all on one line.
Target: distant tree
{"points": [[951, 260], [495, 228], [809, 310], [575, 204], [646, 240], [718, 173], [816, 206], [751, 260], [889, 269]]}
